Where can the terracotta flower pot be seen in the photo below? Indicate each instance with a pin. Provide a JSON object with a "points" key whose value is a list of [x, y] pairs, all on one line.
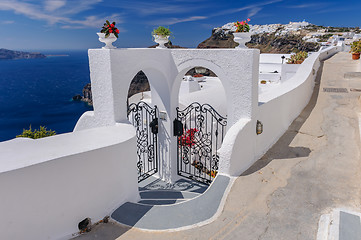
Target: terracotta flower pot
{"points": [[355, 56]]}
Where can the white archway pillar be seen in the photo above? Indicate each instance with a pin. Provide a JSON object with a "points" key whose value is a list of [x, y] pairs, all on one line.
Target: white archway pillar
{"points": [[111, 72]]}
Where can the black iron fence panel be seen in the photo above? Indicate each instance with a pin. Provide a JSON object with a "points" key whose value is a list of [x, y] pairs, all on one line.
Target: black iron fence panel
{"points": [[145, 120], [200, 131]]}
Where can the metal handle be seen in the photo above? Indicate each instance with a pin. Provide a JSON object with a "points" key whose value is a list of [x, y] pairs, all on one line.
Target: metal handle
{"points": [[154, 126], [177, 128]]}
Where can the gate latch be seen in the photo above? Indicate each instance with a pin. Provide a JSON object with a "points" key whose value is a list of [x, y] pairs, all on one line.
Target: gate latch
{"points": [[154, 126], [177, 128]]}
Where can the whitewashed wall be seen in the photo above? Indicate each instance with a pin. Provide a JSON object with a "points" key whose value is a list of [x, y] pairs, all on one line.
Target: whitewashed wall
{"points": [[276, 111], [238, 71], [288, 71], [49, 185], [273, 58]]}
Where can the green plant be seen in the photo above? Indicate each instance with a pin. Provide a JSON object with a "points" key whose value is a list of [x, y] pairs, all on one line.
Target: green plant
{"points": [[356, 47], [162, 31], [242, 26], [297, 58], [109, 28], [37, 133]]}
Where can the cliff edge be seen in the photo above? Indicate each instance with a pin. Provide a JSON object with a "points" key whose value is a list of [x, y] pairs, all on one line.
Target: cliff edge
{"points": [[9, 54]]}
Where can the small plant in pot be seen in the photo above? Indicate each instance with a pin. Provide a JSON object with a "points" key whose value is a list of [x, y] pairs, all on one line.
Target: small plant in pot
{"points": [[242, 34], [242, 26], [161, 35], [108, 34], [356, 49], [297, 58]]}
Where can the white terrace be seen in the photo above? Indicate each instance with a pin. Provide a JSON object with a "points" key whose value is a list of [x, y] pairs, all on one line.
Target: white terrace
{"points": [[49, 185]]}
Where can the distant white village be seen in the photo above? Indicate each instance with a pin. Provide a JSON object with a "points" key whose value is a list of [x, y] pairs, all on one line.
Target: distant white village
{"points": [[317, 35]]}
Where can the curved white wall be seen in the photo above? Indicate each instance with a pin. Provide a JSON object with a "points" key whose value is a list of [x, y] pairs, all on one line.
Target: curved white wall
{"points": [[51, 184], [277, 110]]}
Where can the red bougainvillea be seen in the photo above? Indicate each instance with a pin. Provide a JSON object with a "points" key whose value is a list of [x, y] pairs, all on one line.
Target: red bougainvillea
{"points": [[197, 75], [188, 139]]}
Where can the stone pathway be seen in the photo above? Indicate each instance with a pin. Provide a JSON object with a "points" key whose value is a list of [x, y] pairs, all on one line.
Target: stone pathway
{"points": [[314, 168]]}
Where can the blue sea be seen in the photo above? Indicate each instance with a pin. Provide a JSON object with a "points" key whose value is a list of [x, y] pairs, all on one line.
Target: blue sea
{"points": [[38, 92]]}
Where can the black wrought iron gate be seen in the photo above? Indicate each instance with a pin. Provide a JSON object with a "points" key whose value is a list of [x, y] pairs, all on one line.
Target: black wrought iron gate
{"points": [[200, 130], [145, 120]]}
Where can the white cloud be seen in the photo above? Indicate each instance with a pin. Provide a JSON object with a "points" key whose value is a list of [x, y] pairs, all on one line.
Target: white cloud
{"points": [[252, 8], [29, 10], [77, 6], [51, 5], [309, 5], [172, 21], [94, 22], [254, 11], [61, 12], [149, 9]]}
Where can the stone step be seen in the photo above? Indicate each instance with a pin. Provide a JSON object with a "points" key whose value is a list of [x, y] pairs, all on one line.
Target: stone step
{"points": [[153, 202], [167, 194], [174, 216]]}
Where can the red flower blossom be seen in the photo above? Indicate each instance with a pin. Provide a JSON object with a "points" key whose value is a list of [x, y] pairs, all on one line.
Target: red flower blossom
{"points": [[187, 139], [109, 28]]}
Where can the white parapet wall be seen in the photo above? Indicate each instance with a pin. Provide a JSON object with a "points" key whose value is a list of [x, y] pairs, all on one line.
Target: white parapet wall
{"points": [[49, 185], [242, 147]]}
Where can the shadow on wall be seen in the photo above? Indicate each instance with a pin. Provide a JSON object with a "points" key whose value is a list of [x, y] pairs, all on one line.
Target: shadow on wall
{"points": [[282, 149]]}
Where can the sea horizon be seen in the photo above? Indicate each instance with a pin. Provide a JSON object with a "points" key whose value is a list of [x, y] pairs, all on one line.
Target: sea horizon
{"points": [[38, 92]]}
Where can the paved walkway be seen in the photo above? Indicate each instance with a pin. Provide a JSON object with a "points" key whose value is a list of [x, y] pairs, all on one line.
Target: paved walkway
{"points": [[314, 168]]}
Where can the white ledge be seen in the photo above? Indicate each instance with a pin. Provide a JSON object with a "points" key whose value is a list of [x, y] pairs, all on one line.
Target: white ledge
{"points": [[22, 152]]}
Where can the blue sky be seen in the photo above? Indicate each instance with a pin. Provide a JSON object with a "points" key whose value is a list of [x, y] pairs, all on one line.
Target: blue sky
{"points": [[72, 24]]}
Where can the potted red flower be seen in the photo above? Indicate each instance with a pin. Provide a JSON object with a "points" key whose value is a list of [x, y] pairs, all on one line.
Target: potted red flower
{"points": [[108, 34]]}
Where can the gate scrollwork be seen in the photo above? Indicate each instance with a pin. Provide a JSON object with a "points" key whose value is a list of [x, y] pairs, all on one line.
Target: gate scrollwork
{"points": [[203, 132], [141, 115]]}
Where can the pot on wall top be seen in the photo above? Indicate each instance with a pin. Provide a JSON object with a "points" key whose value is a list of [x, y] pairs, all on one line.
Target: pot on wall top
{"points": [[241, 38], [355, 56], [108, 41], [161, 40]]}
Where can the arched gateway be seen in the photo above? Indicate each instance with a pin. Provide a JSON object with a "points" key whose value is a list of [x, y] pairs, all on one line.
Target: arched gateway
{"points": [[188, 136]]}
